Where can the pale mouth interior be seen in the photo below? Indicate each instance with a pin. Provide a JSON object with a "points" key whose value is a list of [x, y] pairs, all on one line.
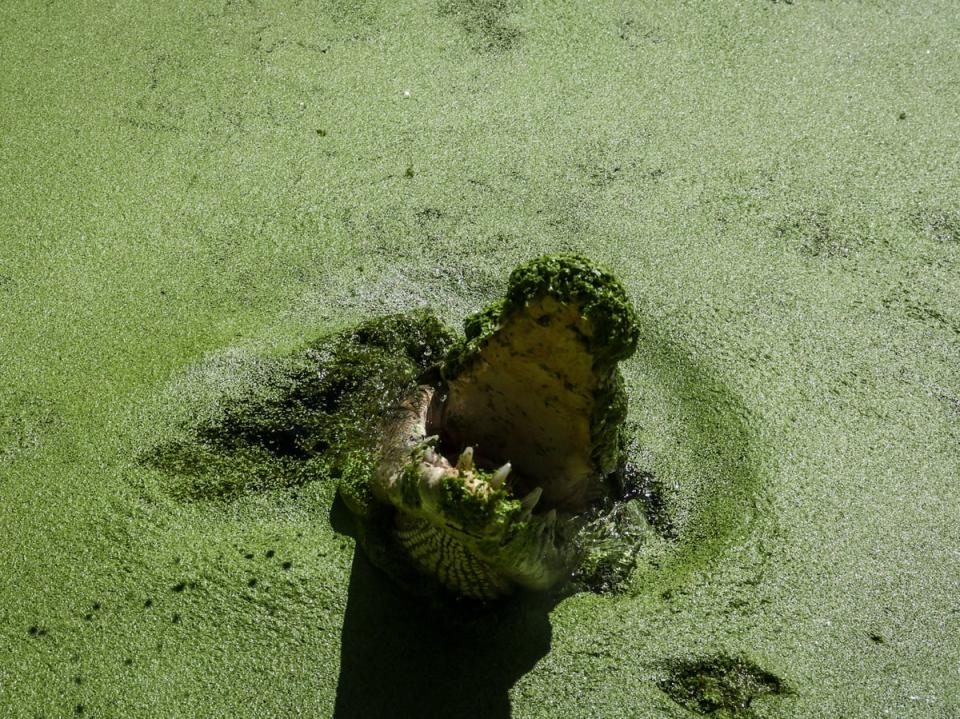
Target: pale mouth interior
{"points": [[527, 400]]}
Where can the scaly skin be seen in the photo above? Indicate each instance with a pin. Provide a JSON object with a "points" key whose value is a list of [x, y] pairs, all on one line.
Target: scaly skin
{"points": [[458, 522], [490, 470]]}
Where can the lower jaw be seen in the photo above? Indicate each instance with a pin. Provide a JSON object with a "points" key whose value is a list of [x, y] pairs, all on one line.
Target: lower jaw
{"points": [[439, 554]]}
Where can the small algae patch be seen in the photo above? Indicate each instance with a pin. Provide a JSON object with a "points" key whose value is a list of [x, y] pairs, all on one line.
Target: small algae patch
{"points": [[720, 686]]}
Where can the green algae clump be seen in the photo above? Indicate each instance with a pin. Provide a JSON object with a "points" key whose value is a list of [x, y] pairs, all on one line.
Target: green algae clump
{"points": [[309, 415]]}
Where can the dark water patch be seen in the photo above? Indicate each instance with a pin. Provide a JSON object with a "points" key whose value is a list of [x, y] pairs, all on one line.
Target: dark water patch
{"points": [[812, 233], [938, 224], [720, 686], [486, 22]]}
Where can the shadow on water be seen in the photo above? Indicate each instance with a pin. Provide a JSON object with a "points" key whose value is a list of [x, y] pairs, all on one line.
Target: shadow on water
{"points": [[404, 656]]}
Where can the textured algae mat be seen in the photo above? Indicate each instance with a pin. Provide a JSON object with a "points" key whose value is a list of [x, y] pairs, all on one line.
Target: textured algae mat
{"points": [[192, 189]]}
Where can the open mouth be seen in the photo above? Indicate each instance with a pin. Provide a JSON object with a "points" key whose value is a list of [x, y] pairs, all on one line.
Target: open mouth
{"points": [[491, 469], [527, 400]]}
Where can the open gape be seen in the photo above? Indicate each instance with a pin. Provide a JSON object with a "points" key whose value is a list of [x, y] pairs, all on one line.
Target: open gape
{"points": [[491, 466]]}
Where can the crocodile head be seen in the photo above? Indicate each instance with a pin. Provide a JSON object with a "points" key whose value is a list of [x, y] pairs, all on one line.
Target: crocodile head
{"points": [[491, 469]]}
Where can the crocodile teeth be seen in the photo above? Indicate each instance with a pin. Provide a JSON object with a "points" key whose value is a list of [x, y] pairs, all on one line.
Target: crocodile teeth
{"points": [[530, 501], [465, 463], [434, 474], [500, 476]]}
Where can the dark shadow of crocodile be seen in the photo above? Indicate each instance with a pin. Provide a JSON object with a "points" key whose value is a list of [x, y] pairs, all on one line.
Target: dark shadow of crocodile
{"points": [[405, 656]]}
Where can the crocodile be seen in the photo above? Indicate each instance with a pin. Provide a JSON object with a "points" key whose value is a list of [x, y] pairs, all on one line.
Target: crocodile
{"points": [[474, 465], [482, 474]]}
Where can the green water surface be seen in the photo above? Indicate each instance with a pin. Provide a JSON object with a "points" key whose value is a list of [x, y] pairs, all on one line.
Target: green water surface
{"points": [[186, 187]]}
